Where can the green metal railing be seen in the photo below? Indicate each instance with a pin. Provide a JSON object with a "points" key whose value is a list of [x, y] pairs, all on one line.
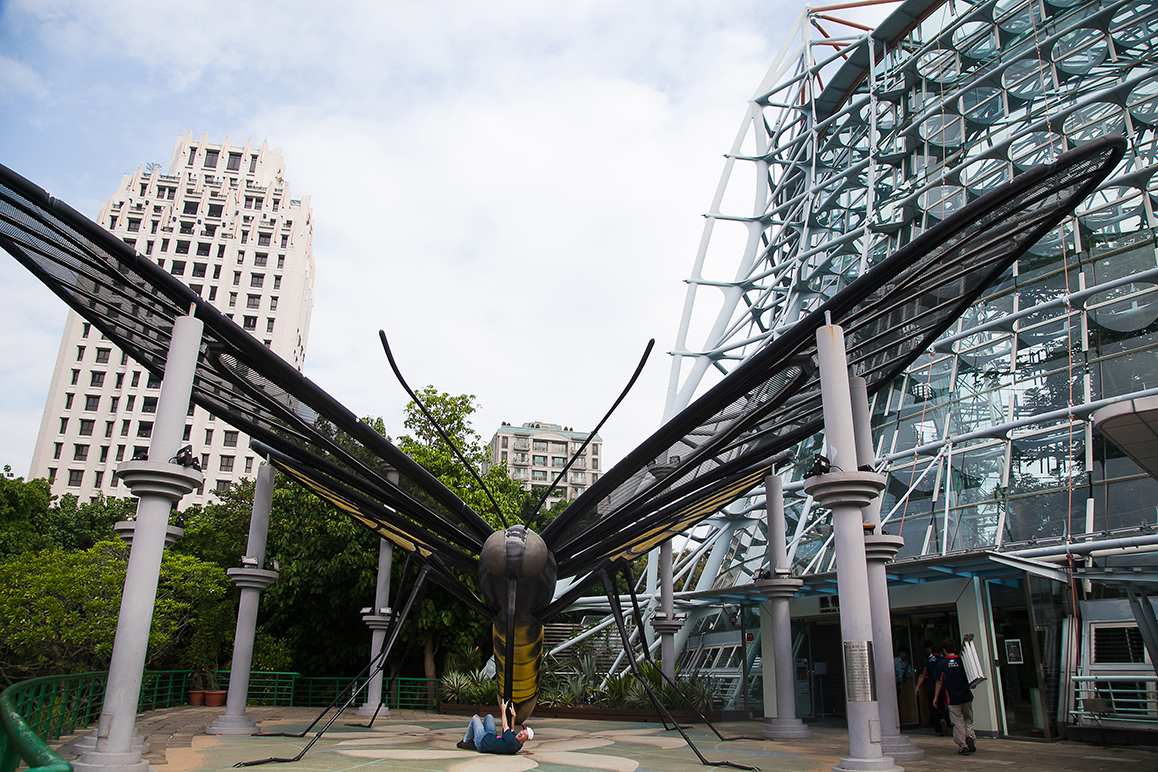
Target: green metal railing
{"points": [[39, 710]]}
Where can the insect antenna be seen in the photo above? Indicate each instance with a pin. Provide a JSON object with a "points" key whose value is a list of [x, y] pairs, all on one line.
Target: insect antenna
{"points": [[591, 436], [441, 433]]}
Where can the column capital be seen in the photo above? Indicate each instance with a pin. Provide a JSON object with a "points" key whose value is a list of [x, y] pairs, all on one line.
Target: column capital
{"points": [[664, 626], [856, 489], [159, 478], [779, 587], [882, 546], [377, 621], [252, 578], [126, 528]]}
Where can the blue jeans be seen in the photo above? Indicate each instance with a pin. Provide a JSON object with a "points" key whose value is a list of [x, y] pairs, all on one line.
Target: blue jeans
{"points": [[478, 728]]}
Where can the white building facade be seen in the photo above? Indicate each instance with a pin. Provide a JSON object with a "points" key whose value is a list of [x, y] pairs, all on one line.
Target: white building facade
{"points": [[536, 452], [223, 221]]}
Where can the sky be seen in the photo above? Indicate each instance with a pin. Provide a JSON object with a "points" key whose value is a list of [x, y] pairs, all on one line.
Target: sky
{"points": [[512, 190]]}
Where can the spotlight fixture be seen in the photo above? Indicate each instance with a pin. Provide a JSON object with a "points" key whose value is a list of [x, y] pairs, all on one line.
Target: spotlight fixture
{"points": [[820, 465]]}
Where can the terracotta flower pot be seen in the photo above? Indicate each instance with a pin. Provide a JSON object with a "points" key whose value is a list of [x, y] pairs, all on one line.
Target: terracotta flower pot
{"points": [[196, 696], [215, 699]]}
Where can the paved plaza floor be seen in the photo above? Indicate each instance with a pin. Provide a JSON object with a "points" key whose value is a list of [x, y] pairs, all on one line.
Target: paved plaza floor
{"points": [[409, 740]]}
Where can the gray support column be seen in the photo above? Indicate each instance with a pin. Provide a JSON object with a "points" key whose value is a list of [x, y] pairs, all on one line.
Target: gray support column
{"points": [[252, 578], [378, 620], [159, 483], [845, 492], [665, 622], [880, 549], [778, 590]]}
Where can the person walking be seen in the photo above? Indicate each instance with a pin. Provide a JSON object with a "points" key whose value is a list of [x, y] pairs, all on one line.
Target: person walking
{"points": [[952, 680], [926, 680]]}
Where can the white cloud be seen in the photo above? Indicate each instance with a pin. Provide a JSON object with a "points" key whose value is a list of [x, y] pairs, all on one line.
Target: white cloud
{"points": [[511, 190], [19, 80]]}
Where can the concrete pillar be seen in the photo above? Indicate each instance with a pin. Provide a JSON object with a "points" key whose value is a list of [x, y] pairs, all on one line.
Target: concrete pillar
{"points": [[378, 620], [665, 622], [778, 590], [159, 484], [880, 549], [845, 491], [252, 578]]}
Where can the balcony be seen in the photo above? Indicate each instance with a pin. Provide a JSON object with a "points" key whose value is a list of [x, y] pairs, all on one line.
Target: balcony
{"points": [[522, 444]]}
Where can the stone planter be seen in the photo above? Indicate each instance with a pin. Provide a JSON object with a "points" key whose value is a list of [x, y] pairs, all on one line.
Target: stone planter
{"points": [[215, 699], [196, 696]]}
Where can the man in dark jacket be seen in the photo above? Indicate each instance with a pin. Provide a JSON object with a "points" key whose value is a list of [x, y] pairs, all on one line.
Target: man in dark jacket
{"points": [[952, 680], [482, 736], [936, 714]]}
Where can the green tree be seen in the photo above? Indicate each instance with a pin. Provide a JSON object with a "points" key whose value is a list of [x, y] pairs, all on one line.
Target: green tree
{"points": [[58, 609], [30, 519]]}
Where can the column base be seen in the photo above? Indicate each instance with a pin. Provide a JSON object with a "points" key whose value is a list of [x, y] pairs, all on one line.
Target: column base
{"points": [[234, 725], [88, 744], [785, 729], [883, 764], [901, 748], [93, 761], [367, 711]]}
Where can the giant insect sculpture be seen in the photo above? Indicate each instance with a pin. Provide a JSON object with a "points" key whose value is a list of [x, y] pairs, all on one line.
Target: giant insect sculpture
{"points": [[712, 453]]}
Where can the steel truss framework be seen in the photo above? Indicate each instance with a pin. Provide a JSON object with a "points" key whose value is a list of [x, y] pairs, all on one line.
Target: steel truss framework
{"points": [[856, 142]]}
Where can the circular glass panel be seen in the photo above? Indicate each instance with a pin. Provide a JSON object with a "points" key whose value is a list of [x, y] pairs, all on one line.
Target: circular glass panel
{"points": [[1134, 28], [982, 176], [1109, 206], [1036, 148], [1093, 121], [940, 65], [943, 130], [1028, 78], [1143, 102], [941, 201], [1080, 51], [1018, 16], [975, 39], [1127, 308], [983, 104]]}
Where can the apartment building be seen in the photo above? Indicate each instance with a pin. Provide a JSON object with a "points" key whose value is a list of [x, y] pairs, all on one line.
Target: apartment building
{"points": [[536, 452], [223, 220]]}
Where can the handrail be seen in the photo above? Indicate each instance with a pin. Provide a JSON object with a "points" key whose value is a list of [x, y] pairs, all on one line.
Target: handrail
{"points": [[18, 740]]}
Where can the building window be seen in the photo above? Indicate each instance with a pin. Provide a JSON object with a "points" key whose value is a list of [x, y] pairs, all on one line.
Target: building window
{"points": [[199, 269], [211, 158], [190, 207], [539, 460], [102, 356], [260, 259], [153, 383], [269, 325], [140, 452], [136, 379], [203, 248], [273, 304], [182, 248], [226, 463], [192, 155], [115, 401], [68, 401], [538, 474], [86, 427], [213, 293], [75, 477], [236, 278], [204, 460], [594, 463], [248, 464], [149, 405], [504, 459], [263, 239], [208, 436], [97, 379], [558, 462], [109, 428], [222, 486], [164, 245], [245, 236], [63, 425], [125, 427], [187, 433], [75, 376], [52, 474], [57, 447], [144, 428], [134, 225], [249, 322], [229, 439], [80, 353], [120, 452], [284, 244], [98, 479], [256, 280], [80, 452], [197, 288], [253, 301], [539, 445], [92, 402], [232, 299], [104, 453], [277, 282], [178, 268], [130, 402], [505, 440], [215, 210], [233, 163]]}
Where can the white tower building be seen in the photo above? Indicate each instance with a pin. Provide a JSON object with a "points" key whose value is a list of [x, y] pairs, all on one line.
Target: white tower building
{"points": [[223, 221]]}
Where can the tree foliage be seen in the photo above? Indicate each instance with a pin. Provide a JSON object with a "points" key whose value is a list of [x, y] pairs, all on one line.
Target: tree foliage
{"points": [[58, 610]]}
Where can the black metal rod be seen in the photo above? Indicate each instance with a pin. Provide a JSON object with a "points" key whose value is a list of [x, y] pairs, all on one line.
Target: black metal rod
{"points": [[419, 583], [591, 436], [441, 433], [617, 613]]}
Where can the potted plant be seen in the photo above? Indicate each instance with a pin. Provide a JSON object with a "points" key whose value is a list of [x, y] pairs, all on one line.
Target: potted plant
{"points": [[197, 688], [214, 694]]}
